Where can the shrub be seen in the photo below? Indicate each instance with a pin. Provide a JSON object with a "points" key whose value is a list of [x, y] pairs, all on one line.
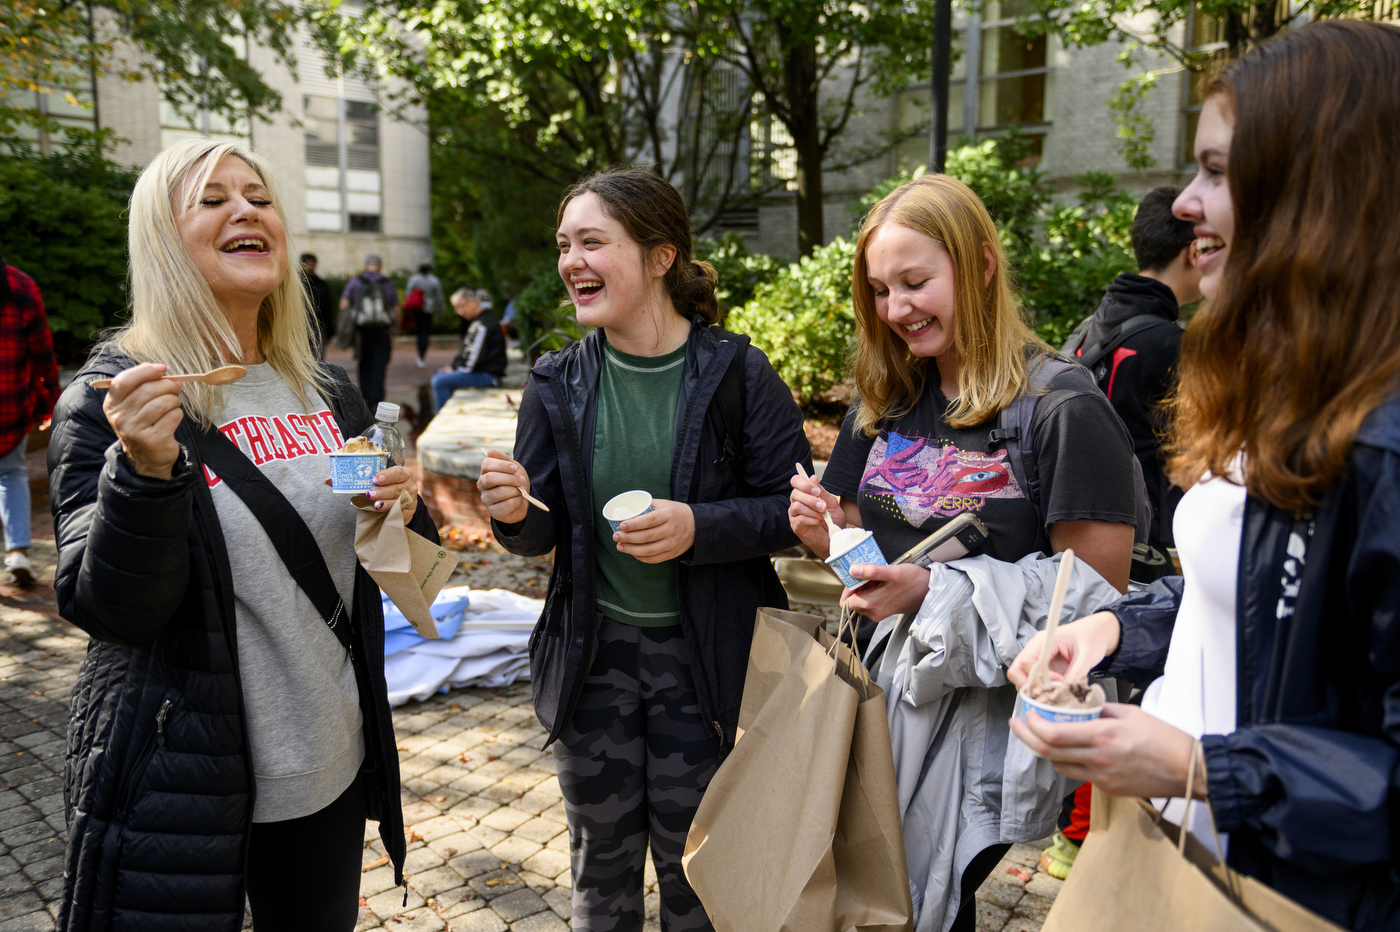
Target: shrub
{"points": [[803, 319], [740, 272], [63, 222]]}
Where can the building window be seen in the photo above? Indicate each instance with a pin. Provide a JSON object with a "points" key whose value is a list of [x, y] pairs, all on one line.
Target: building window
{"points": [[204, 124], [1016, 86], [1206, 34], [59, 109], [342, 165], [914, 109]]}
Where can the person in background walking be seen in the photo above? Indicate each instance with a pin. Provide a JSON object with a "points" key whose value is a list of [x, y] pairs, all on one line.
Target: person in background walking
{"points": [[373, 303], [319, 294], [1131, 345], [426, 305], [1278, 648], [28, 390], [481, 361], [639, 662]]}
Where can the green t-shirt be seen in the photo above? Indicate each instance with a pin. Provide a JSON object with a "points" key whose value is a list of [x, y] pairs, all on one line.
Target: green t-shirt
{"points": [[632, 446]]}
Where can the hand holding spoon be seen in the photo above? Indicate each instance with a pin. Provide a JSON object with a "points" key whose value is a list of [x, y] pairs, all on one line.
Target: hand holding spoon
{"points": [[224, 375], [1057, 605], [831, 527]]}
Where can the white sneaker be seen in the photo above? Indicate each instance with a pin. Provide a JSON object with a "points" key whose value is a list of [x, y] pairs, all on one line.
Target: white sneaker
{"points": [[421, 363], [20, 570]]}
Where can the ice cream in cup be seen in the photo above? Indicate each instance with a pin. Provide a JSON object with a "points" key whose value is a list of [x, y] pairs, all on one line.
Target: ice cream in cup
{"points": [[850, 546], [354, 466], [1061, 700], [627, 505]]}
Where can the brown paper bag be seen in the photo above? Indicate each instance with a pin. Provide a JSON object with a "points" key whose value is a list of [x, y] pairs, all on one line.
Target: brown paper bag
{"points": [[1129, 874], [799, 829], [409, 568]]}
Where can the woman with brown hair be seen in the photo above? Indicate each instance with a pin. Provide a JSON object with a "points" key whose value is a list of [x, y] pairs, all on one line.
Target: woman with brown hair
{"points": [[1278, 649], [941, 351], [638, 661]]}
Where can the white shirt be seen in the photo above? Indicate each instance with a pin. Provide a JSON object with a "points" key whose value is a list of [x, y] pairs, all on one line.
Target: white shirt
{"points": [[1196, 693]]}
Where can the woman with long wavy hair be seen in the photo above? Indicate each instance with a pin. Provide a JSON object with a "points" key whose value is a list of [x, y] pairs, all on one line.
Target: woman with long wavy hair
{"points": [[229, 732], [1278, 648], [942, 349]]}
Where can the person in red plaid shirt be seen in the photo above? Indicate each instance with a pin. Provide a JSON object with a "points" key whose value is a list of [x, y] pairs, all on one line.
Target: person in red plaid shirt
{"points": [[28, 390]]}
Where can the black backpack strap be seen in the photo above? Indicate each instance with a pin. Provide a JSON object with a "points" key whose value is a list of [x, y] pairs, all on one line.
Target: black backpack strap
{"points": [[290, 536], [1091, 356], [727, 406]]}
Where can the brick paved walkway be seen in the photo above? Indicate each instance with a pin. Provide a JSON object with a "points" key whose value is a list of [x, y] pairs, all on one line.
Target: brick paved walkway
{"points": [[488, 848]]}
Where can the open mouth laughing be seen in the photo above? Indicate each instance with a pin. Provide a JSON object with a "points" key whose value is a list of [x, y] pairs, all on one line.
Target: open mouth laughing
{"points": [[245, 245], [587, 289], [919, 327], [1205, 245]]}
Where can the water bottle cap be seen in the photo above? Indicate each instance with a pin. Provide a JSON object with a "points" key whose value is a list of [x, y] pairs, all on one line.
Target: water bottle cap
{"points": [[386, 412]]}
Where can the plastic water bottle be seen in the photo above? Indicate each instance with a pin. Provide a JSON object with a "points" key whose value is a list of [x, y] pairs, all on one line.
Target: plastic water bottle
{"points": [[385, 432]]}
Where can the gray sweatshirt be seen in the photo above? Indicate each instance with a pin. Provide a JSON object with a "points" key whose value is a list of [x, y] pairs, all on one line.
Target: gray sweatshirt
{"points": [[299, 689]]}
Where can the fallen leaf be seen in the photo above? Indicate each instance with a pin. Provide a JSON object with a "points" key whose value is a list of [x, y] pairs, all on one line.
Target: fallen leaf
{"points": [[451, 852], [401, 748], [414, 836], [36, 692], [364, 904], [455, 707], [1018, 874], [377, 862], [434, 799], [501, 882], [463, 758]]}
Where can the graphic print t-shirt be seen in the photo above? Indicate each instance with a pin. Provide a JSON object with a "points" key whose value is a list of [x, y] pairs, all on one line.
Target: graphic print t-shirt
{"points": [[917, 472], [299, 690]]}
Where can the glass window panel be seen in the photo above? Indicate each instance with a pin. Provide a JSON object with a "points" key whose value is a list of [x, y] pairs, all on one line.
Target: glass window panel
{"points": [[323, 221], [358, 203], [1192, 121], [996, 10], [1013, 100], [362, 181], [320, 108], [362, 134], [323, 178], [219, 123], [364, 223], [60, 106], [322, 200], [358, 111], [1004, 50], [168, 137], [170, 116], [914, 112]]}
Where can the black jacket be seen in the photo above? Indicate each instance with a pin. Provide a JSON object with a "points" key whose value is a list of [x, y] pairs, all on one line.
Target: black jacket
{"points": [[159, 805], [1137, 377], [1308, 786], [483, 347], [722, 580]]}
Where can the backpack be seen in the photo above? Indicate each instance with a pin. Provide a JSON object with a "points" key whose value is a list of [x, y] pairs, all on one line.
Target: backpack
{"points": [[1094, 358], [371, 309], [727, 406], [1014, 433]]}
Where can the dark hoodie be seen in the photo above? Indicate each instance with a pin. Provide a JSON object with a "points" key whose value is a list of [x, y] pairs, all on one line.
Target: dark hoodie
{"points": [[1137, 376]]}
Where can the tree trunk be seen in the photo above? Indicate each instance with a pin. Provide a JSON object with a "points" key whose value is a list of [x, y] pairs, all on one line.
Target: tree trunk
{"points": [[805, 126]]}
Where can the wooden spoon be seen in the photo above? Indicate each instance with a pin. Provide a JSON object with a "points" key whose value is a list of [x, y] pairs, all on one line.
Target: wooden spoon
{"points": [[224, 375], [1057, 605]]}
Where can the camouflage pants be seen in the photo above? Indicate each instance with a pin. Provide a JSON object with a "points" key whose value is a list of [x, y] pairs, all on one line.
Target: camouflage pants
{"points": [[633, 764]]}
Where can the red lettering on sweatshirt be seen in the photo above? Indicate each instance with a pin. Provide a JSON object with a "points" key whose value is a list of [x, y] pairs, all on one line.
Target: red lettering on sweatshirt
{"points": [[264, 439]]}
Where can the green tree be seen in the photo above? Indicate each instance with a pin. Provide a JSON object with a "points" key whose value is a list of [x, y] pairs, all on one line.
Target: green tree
{"points": [[64, 225], [57, 46]]}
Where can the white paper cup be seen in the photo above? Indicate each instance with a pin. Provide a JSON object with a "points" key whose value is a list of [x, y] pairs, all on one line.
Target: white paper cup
{"points": [[867, 551], [626, 505], [353, 473]]}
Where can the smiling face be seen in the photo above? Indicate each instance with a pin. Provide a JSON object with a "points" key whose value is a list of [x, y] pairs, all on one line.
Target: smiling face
{"points": [[913, 278], [234, 235], [1206, 200], [604, 268]]}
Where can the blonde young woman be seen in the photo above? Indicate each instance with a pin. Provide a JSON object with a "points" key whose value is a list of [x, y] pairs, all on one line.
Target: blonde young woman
{"points": [[222, 737], [941, 349]]}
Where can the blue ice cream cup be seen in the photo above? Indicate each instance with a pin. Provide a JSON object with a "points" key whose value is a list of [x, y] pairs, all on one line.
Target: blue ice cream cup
{"points": [[1053, 713], [867, 551], [353, 473], [626, 505]]}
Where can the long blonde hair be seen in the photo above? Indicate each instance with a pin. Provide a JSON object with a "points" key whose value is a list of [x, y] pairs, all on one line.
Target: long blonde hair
{"points": [[990, 336], [175, 318]]}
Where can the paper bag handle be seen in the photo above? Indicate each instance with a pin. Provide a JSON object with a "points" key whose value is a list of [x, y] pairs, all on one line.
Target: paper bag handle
{"points": [[854, 666], [1197, 757]]}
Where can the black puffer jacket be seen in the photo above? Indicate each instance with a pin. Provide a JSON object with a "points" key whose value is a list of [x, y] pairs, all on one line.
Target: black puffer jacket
{"points": [[725, 576], [158, 782], [1308, 784]]}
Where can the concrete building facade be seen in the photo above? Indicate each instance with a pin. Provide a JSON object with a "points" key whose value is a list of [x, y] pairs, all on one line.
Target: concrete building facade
{"points": [[354, 178]]}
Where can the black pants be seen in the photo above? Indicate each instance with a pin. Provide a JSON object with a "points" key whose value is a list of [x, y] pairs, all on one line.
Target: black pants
{"points": [[375, 346], [304, 874], [978, 871], [424, 320]]}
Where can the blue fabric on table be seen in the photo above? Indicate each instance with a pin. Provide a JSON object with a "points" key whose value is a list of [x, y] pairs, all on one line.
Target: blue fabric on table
{"points": [[448, 610]]}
